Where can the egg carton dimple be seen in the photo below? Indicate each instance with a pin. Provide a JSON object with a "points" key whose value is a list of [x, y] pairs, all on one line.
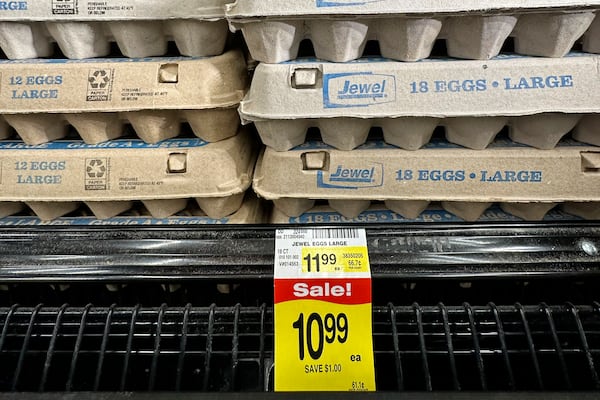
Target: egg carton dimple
{"points": [[287, 210], [152, 126], [411, 38], [543, 131]]}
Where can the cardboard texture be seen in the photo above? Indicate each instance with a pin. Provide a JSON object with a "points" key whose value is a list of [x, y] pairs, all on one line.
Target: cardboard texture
{"points": [[85, 28], [41, 98], [540, 99], [52, 178], [467, 182], [407, 30], [380, 214], [252, 211]]}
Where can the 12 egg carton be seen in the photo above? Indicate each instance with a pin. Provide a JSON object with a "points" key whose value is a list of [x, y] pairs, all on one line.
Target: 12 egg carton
{"points": [[540, 99], [85, 28], [53, 179], [252, 211], [444, 212], [407, 30], [40, 99], [527, 182]]}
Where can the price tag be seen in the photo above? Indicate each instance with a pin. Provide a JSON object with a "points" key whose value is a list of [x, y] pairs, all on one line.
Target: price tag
{"points": [[323, 327]]}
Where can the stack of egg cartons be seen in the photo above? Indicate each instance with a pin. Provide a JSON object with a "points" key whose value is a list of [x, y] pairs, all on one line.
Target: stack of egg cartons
{"points": [[180, 113], [545, 92]]}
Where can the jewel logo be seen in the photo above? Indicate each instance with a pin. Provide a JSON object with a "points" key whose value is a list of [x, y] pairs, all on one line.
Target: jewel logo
{"points": [[358, 89]]}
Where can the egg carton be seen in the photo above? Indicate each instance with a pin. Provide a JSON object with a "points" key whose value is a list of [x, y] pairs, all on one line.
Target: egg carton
{"points": [[407, 30], [445, 212], [540, 99], [128, 213], [85, 28], [43, 98], [527, 182], [53, 179]]}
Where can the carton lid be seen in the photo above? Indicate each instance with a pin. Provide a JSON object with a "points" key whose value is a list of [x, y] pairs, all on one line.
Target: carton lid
{"points": [[122, 84], [126, 170], [380, 88], [504, 172]]}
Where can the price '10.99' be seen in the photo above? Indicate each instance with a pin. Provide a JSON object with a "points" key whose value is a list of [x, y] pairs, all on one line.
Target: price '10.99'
{"points": [[330, 329]]}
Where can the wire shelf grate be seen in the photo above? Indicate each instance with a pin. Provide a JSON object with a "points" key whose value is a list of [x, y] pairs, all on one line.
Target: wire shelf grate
{"points": [[417, 348]]}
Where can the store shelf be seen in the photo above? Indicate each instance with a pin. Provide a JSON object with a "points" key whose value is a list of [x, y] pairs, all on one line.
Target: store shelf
{"points": [[417, 348], [175, 253]]}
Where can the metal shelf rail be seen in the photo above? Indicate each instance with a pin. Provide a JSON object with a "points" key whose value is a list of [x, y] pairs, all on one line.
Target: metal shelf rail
{"points": [[171, 253], [214, 349]]}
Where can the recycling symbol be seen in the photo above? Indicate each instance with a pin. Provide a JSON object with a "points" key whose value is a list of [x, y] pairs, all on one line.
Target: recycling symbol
{"points": [[99, 79], [96, 169]]}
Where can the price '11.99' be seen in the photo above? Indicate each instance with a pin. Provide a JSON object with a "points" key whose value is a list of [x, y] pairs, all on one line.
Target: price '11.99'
{"points": [[330, 329], [314, 261]]}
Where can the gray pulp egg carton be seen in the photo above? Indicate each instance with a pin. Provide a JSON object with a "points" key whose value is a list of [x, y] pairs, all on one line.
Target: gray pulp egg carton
{"points": [[528, 182], [378, 213], [85, 28], [252, 211], [53, 178], [540, 99], [40, 99], [407, 30]]}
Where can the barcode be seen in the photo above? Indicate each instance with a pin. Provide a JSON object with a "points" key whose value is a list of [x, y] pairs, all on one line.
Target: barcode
{"points": [[341, 233]]}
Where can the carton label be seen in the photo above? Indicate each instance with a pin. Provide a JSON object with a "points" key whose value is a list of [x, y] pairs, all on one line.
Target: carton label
{"points": [[376, 216], [358, 89], [345, 177], [65, 10], [13, 5], [113, 144], [115, 221], [96, 173], [65, 7], [343, 3], [100, 84]]}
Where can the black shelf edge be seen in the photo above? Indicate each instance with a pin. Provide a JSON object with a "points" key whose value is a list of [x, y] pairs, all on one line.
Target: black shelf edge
{"points": [[304, 395], [408, 251]]}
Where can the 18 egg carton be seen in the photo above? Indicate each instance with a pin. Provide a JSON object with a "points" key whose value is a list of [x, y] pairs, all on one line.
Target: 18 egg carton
{"points": [[444, 212], [543, 131], [528, 182], [407, 30], [85, 28], [53, 179], [42, 98], [541, 100]]}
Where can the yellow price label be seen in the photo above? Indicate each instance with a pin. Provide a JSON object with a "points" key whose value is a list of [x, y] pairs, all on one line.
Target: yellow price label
{"points": [[322, 346], [323, 316], [335, 259]]}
